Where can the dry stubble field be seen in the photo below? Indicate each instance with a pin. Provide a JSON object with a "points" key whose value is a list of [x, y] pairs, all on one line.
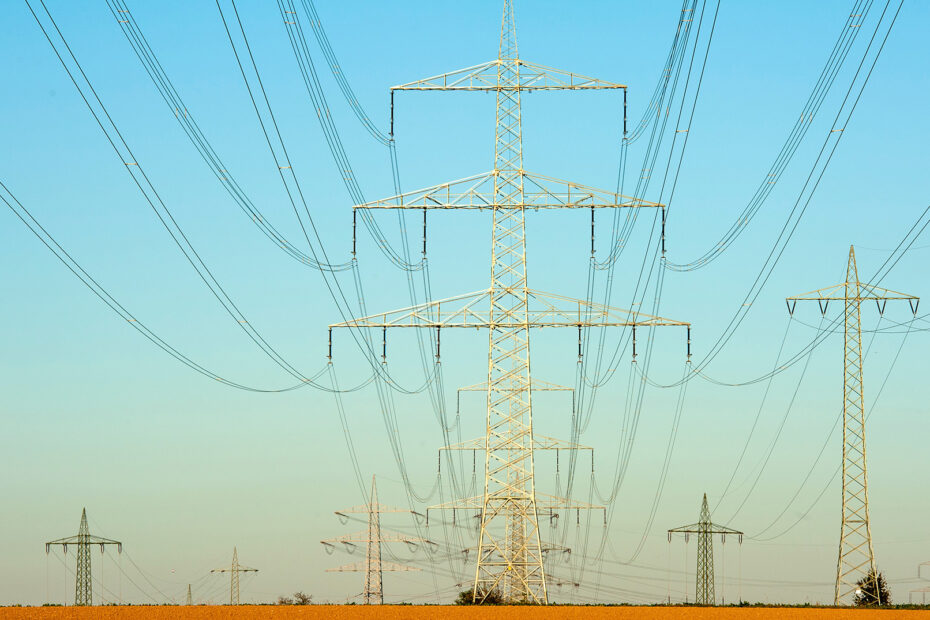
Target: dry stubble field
{"points": [[353, 612]]}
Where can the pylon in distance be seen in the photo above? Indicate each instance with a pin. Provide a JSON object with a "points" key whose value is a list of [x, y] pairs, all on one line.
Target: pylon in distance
{"points": [[705, 530], [190, 599], [234, 569], [373, 537], [856, 556], [509, 558], [83, 582]]}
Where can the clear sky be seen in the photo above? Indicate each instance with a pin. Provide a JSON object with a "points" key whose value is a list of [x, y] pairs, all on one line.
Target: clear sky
{"points": [[181, 468]]}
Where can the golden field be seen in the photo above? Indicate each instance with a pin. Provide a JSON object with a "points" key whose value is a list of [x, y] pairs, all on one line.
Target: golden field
{"points": [[361, 612]]}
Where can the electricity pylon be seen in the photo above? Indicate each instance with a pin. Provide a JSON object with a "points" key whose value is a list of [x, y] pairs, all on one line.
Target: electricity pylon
{"points": [[856, 557], [190, 599], [922, 591], [234, 569], [509, 560], [373, 567], [705, 530], [83, 584]]}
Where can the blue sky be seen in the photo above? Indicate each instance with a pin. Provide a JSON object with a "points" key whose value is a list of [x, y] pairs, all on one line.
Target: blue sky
{"points": [[181, 468]]}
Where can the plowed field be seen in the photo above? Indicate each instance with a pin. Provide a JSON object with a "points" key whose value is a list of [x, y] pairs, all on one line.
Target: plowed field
{"points": [[353, 612]]}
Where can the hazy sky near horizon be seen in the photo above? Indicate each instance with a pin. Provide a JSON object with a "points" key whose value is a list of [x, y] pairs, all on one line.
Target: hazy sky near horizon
{"points": [[182, 468]]}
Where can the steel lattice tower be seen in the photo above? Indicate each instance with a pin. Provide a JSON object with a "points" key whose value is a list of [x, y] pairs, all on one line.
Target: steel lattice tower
{"points": [[705, 530], [83, 582], [234, 569], [373, 566], [856, 556], [509, 559]]}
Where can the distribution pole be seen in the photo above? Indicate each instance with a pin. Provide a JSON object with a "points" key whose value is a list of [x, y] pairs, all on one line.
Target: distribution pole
{"points": [[856, 556], [83, 583], [705, 530], [509, 558], [234, 569], [373, 537]]}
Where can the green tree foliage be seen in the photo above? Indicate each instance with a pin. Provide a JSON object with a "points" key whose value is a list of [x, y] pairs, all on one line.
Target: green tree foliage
{"points": [[866, 595], [492, 598]]}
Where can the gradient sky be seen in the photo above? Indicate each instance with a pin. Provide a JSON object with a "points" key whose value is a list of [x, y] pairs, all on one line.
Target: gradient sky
{"points": [[181, 468]]}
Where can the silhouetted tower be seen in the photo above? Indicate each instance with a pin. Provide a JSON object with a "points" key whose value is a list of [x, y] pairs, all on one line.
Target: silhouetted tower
{"points": [[856, 557], [705, 530], [234, 569], [190, 599], [509, 558], [83, 583], [373, 566]]}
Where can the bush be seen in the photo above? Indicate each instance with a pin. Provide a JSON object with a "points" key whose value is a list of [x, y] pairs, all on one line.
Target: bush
{"points": [[866, 596], [491, 598], [299, 598]]}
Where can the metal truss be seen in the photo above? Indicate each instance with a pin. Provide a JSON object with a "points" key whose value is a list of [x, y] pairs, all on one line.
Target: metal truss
{"points": [[531, 76], [509, 558], [705, 530], [856, 556], [539, 192], [83, 583], [373, 537]]}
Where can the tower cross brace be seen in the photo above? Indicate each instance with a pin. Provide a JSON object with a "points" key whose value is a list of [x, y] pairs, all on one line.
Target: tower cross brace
{"points": [[705, 530], [83, 581], [509, 557], [856, 556]]}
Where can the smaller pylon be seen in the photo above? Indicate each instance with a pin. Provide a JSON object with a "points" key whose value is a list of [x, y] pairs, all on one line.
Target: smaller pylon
{"points": [[373, 567], [190, 599], [705, 529], [234, 570], [83, 586]]}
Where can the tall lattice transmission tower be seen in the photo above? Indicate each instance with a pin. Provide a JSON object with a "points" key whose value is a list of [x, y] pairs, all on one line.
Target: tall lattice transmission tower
{"points": [[372, 537], [856, 556], [234, 570], [509, 558], [83, 582], [705, 530]]}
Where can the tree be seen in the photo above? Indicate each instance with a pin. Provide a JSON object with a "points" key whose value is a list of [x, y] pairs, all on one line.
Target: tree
{"points": [[299, 598], [866, 596], [492, 598]]}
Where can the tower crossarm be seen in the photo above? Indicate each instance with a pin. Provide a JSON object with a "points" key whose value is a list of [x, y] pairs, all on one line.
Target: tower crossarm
{"points": [[536, 385], [239, 569], [361, 567], [540, 442], [544, 310], [369, 508], [365, 537], [861, 292], [88, 539], [704, 528], [544, 503], [544, 547], [532, 76], [539, 192]]}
